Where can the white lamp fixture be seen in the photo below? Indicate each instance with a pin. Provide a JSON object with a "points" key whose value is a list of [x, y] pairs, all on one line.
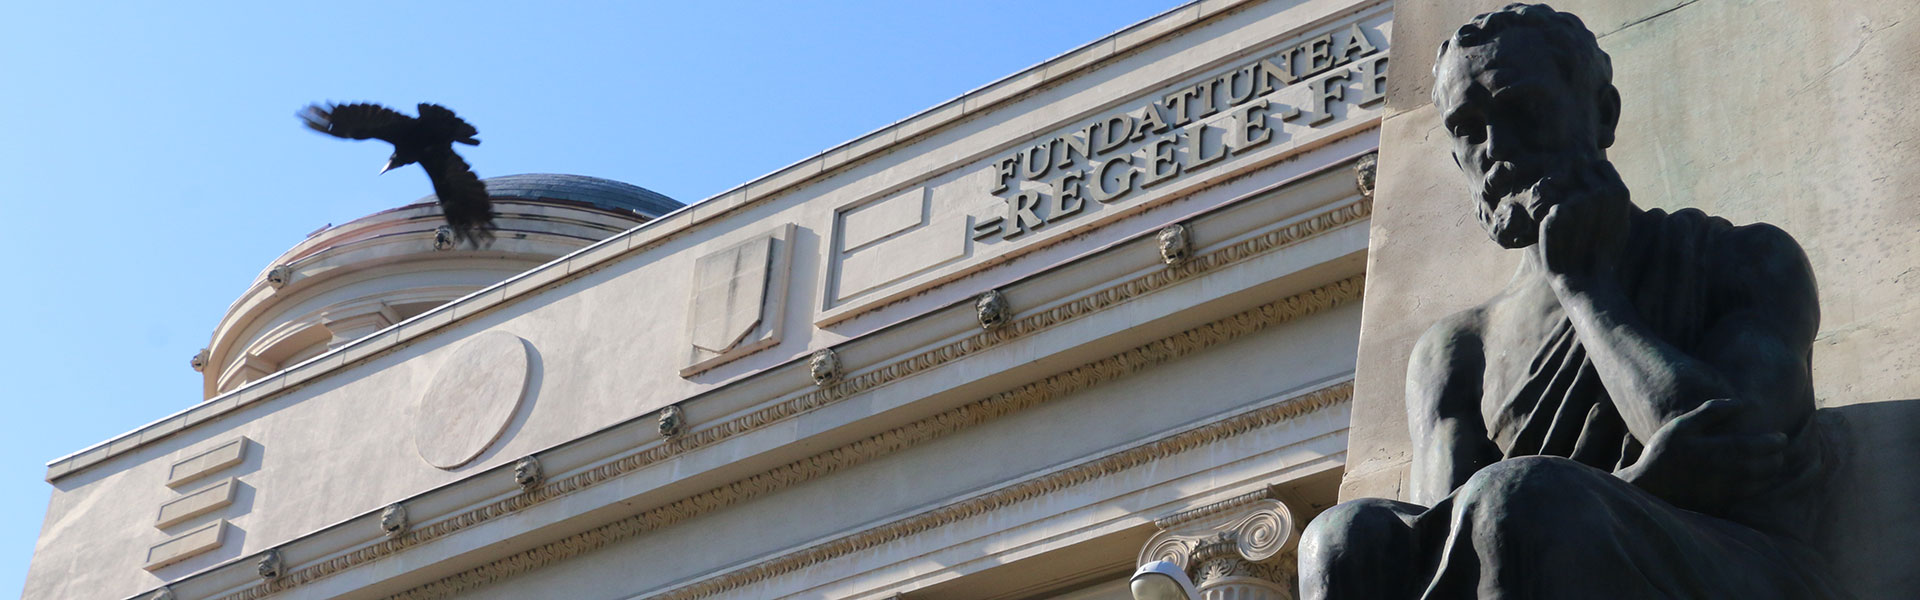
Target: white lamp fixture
{"points": [[1163, 580]]}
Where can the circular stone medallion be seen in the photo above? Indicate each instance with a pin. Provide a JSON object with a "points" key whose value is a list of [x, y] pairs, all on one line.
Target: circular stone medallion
{"points": [[471, 400]]}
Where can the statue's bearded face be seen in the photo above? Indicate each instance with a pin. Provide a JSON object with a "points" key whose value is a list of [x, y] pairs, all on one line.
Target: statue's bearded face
{"points": [[1515, 117]]}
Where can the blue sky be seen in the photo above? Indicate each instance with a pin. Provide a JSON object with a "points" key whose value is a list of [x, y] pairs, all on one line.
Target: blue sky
{"points": [[151, 165]]}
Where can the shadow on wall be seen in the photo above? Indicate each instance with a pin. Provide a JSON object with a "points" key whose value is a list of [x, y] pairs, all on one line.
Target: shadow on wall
{"points": [[1872, 525]]}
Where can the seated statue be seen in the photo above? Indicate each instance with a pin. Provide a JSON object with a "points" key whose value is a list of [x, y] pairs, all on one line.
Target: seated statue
{"points": [[1631, 417]]}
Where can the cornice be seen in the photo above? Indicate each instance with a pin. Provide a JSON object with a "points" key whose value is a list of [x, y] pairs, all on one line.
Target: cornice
{"points": [[1030, 489], [1134, 360], [1011, 88], [1328, 219]]}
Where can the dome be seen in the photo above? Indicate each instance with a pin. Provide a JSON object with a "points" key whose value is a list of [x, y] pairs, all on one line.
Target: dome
{"points": [[606, 194], [345, 282]]}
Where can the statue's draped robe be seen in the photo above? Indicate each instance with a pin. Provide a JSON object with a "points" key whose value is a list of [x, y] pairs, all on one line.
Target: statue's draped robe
{"points": [[1539, 528]]}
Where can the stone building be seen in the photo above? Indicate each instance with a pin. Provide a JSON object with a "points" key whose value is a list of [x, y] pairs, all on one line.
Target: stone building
{"points": [[1103, 311], [1100, 311]]}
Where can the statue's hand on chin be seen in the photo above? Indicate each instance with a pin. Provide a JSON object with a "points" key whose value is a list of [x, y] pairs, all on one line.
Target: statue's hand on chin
{"points": [[1695, 462], [1583, 223]]}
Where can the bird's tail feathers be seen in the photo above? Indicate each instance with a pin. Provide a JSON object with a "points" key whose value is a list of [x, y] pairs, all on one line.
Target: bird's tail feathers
{"points": [[474, 229]]}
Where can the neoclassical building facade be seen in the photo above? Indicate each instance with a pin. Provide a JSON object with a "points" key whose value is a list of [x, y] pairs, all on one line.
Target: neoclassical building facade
{"points": [[1100, 312]]}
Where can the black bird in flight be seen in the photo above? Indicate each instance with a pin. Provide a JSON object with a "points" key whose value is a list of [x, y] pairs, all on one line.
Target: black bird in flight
{"points": [[427, 140]]}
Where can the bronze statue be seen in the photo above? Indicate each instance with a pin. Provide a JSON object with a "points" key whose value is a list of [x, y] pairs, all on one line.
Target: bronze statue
{"points": [[1631, 417]]}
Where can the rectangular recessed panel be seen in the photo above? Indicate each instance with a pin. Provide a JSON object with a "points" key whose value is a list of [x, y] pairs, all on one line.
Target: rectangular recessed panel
{"points": [[207, 463], [897, 258], [181, 509], [863, 225], [187, 545]]}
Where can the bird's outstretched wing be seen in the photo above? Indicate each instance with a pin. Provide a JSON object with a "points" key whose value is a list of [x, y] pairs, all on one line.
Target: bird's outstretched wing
{"points": [[443, 121], [357, 121], [463, 198]]}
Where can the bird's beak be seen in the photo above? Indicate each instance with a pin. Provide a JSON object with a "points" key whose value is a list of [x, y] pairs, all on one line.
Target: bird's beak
{"points": [[387, 167]]}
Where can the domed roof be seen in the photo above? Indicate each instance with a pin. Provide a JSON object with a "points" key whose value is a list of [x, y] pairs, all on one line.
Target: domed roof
{"points": [[602, 193], [346, 282]]}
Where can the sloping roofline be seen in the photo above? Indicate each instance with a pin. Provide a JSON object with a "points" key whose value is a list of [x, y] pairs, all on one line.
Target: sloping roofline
{"points": [[872, 144]]}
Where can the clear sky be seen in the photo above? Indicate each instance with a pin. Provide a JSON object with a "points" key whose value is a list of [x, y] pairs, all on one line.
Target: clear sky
{"points": [[151, 164]]}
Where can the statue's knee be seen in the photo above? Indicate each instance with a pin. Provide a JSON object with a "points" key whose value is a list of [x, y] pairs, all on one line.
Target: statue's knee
{"points": [[1356, 547], [1363, 523], [1527, 494]]}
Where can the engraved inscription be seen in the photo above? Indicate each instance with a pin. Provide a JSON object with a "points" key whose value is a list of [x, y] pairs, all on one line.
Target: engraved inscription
{"points": [[1112, 158]]}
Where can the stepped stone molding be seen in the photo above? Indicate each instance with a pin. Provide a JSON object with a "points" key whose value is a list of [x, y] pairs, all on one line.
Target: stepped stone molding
{"points": [[1028, 490], [1138, 359], [1208, 510], [1286, 309]]}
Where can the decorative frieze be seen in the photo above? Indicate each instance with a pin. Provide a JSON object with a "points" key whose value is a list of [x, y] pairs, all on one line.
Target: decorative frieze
{"points": [[1138, 359], [1206, 336]]}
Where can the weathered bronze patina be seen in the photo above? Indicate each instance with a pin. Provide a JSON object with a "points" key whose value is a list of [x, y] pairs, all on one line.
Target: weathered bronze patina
{"points": [[1631, 417]]}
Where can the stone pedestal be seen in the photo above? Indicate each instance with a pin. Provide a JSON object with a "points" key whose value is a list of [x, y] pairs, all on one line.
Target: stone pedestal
{"points": [[1237, 549]]}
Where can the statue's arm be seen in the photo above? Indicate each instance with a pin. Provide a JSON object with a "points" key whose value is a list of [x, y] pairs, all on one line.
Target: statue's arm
{"points": [[1450, 441], [1755, 353]]}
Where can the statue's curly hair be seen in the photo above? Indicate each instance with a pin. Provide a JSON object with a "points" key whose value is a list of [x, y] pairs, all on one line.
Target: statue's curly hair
{"points": [[1570, 44]]}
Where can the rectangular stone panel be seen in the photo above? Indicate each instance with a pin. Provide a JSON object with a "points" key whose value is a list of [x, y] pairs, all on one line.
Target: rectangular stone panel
{"points": [[874, 221], [184, 508], [194, 467], [187, 545]]}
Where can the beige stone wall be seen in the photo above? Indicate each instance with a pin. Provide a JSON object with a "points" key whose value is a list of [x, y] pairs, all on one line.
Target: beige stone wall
{"points": [[1800, 114], [607, 340]]}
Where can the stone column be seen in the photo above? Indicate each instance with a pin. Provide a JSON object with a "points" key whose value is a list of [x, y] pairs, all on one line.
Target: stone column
{"points": [[1237, 549]]}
